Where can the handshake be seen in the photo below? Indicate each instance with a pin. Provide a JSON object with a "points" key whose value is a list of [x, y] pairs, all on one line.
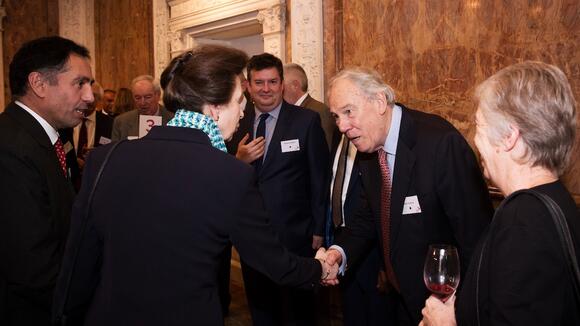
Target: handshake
{"points": [[330, 261]]}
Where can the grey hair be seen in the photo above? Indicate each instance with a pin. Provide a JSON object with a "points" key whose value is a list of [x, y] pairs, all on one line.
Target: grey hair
{"points": [[302, 78], [369, 81], [156, 86], [536, 98]]}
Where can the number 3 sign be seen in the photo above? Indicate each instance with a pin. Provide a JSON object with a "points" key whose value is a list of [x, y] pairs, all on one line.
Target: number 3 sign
{"points": [[146, 122]]}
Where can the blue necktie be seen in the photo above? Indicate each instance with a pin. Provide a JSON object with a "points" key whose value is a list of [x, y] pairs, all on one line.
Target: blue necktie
{"points": [[261, 132]]}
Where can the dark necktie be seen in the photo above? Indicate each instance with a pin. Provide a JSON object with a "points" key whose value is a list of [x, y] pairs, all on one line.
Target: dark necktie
{"points": [[386, 217], [261, 132], [338, 183], [83, 140], [60, 155]]}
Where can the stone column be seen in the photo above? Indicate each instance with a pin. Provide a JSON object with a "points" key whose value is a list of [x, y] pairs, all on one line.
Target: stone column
{"points": [[307, 43], [161, 45], [77, 22], [273, 20]]}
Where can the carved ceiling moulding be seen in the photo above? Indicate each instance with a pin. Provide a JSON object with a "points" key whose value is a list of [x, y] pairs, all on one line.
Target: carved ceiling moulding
{"points": [[191, 19]]}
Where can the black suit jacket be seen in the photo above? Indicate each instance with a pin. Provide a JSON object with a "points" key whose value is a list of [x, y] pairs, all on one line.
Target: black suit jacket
{"points": [[152, 258], [103, 128], [293, 184], [434, 163], [35, 198]]}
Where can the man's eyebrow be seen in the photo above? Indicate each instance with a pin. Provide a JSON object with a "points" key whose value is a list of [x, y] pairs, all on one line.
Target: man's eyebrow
{"points": [[83, 79]]}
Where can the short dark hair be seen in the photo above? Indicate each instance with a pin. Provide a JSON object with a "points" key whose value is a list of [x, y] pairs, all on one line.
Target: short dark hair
{"points": [[204, 75], [47, 55], [265, 61]]}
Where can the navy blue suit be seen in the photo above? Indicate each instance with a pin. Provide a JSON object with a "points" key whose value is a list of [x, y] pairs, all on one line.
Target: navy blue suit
{"points": [[362, 303], [293, 186]]}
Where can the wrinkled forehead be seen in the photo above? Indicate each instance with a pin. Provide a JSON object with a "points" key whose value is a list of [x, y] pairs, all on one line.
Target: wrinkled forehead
{"points": [[344, 91]]}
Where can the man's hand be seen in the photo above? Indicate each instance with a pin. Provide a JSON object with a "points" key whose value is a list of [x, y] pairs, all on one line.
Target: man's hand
{"points": [[332, 258], [316, 241], [328, 271], [251, 151]]}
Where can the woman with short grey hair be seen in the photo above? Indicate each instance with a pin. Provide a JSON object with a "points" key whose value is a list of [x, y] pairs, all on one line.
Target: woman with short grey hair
{"points": [[526, 123]]}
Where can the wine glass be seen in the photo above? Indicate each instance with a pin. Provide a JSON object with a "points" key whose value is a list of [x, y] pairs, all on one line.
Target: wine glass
{"points": [[441, 271]]}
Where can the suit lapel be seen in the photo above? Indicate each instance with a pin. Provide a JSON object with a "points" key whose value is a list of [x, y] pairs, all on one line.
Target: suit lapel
{"points": [[30, 124], [247, 123], [306, 101], [402, 177], [98, 129], [353, 175], [371, 179]]}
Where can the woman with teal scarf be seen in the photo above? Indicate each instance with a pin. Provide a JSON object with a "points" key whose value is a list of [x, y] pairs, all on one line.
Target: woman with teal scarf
{"points": [[168, 205]]}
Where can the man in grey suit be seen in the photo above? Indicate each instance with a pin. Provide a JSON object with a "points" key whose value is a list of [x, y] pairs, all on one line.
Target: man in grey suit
{"points": [[296, 92], [146, 93]]}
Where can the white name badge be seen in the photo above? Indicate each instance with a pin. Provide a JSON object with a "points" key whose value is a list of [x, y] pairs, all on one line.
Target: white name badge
{"points": [[104, 140], [146, 122], [67, 147], [411, 205], [292, 145]]}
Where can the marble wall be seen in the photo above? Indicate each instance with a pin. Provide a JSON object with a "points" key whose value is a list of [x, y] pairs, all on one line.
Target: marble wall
{"points": [[434, 53], [123, 41], [25, 21]]}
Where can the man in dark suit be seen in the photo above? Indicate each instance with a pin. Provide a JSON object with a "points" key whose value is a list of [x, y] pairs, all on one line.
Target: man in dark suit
{"points": [[98, 127], [50, 82], [290, 155], [421, 185], [296, 92], [146, 93], [362, 289]]}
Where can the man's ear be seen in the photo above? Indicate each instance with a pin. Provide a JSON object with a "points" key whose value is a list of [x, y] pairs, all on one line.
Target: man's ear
{"points": [[380, 100], [38, 84]]}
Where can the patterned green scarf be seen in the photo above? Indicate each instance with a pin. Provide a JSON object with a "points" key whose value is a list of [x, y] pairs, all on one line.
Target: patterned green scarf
{"points": [[190, 119]]}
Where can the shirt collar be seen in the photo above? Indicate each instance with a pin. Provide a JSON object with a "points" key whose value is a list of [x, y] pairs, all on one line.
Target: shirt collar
{"points": [[274, 113], [93, 116], [301, 99], [392, 140], [50, 131]]}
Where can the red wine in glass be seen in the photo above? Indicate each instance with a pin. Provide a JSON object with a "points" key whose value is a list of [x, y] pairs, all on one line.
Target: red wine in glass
{"points": [[441, 271]]}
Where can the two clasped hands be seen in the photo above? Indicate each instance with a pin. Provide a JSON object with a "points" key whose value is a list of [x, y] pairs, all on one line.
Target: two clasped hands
{"points": [[330, 261]]}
